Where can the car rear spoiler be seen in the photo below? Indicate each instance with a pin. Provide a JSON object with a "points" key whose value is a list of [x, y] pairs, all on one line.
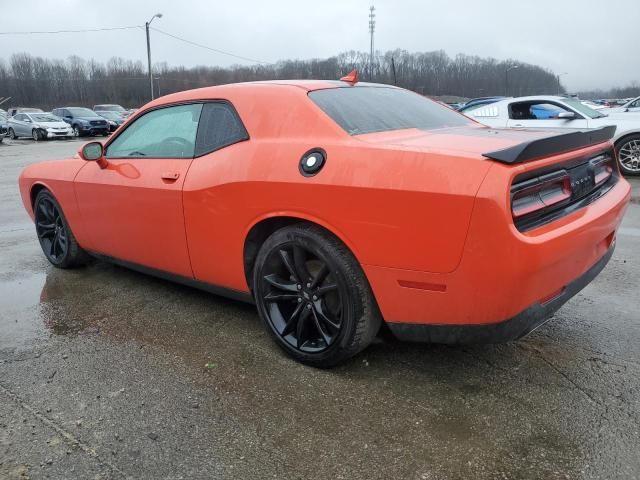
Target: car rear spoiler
{"points": [[552, 145]]}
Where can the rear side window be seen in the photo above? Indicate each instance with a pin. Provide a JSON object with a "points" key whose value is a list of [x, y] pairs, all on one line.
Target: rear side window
{"points": [[219, 127], [361, 110]]}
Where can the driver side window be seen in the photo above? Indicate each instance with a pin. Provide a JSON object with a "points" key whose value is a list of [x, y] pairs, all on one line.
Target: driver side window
{"points": [[168, 132], [535, 110]]}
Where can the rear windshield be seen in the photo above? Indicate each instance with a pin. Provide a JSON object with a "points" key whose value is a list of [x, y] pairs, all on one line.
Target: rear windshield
{"points": [[361, 110], [110, 108], [82, 112]]}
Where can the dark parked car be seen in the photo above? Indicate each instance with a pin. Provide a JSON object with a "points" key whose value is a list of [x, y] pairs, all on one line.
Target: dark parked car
{"points": [[83, 121], [114, 118], [112, 107]]}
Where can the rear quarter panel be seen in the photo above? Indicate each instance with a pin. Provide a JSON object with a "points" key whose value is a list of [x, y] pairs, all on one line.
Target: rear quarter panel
{"points": [[402, 209]]}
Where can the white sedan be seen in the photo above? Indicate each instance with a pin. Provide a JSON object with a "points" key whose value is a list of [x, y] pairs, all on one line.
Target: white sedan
{"points": [[560, 113]]}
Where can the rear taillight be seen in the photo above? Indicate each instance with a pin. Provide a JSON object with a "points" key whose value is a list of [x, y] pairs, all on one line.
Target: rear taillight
{"points": [[602, 169], [540, 193]]}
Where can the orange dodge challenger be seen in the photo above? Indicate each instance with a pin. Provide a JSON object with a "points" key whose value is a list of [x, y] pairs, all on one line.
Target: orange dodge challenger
{"points": [[336, 206]]}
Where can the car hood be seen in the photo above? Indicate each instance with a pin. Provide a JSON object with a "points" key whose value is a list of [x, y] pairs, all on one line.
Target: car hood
{"points": [[623, 122], [619, 113], [52, 124], [470, 141], [89, 119]]}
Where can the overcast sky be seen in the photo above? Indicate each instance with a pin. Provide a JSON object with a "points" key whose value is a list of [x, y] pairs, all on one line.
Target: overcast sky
{"points": [[596, 42]]}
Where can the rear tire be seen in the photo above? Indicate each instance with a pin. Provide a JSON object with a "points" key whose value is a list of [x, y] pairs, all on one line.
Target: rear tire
{"points": [[12, 134], [54, 234], [313, 297], [628, 154]]}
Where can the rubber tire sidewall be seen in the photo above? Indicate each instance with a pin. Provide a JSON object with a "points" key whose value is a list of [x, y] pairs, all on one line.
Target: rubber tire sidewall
{"points": [[75, 255], [618, 146], [363, 318], [12, 134]]}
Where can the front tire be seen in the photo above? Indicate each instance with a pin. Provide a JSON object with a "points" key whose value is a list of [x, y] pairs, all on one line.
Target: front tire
{"points": [[76, 131], [36, 135], [54, 234], [313, 297], [628, 153]]}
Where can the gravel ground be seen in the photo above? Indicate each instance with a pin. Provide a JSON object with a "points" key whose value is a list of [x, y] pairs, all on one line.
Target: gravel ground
{"points": [[106, 373]]}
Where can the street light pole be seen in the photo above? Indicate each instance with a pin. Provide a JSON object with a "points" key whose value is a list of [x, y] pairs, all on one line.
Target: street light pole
{"points": [[506, 78], [157, 15], [558, 77]]}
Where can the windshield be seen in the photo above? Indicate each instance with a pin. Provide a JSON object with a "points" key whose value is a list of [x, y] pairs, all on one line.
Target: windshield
{"points": [[82, 112], [44, 118], [109, 115], [110, 108], [583, 109], [361, 110]]}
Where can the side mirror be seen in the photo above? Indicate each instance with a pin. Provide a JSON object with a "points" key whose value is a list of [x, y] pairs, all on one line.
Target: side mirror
{"points": [[26, 120], [93, 152], [567, 115]]}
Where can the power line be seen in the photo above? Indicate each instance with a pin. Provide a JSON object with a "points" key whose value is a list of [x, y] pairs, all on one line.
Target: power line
{"points": [[208, 48], [129, 27], [72, 31]]}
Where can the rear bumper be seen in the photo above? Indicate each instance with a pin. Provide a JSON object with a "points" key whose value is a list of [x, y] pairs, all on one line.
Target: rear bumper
{"points": [[503, 272], [516, 327]]}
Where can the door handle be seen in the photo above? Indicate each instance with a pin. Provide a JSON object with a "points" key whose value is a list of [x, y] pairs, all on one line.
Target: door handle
{"points": [[170, 176], [518, 125]]}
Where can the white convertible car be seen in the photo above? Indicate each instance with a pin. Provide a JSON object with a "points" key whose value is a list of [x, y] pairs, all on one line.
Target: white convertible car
{"points": [[560, 113]]}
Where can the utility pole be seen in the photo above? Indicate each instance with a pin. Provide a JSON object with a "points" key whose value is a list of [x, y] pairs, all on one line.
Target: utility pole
{"points": [[157, 15], [372, 29]]}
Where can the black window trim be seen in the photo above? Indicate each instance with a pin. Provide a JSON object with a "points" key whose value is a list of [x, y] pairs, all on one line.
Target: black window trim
{"points": [[138, 115]]}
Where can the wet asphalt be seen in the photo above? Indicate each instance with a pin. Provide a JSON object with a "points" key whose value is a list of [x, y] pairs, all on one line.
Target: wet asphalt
{"points": [[106, 374]]}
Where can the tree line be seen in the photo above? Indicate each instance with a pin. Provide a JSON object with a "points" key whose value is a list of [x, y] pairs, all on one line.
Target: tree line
{"points": [[49, 83]]}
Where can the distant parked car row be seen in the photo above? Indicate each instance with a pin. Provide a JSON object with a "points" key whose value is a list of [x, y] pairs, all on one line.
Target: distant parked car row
{"points": [[63, 122], [4, 126]]}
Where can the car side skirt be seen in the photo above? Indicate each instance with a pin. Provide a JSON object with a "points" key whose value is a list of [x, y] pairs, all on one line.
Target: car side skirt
{"points": [[512, 329], [233, 294]]}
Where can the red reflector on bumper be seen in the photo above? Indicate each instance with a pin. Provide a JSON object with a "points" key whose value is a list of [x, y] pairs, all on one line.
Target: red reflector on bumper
{"points": [[434, 287]]}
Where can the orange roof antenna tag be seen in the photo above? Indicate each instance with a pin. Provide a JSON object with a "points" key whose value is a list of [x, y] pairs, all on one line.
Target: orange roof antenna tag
{"points": [[351, 78]]}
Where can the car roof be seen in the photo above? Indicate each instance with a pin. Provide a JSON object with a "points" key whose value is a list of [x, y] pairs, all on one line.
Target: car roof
{"points": [[533, 98]]}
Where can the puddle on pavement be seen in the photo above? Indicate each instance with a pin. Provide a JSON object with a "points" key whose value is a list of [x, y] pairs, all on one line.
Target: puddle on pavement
{"points": [[19, 316]]}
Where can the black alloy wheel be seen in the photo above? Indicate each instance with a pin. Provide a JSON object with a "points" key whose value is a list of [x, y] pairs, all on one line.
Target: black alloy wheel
{"points": [[313, 297], [55, 237], [304, 300], [51, 231]]}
